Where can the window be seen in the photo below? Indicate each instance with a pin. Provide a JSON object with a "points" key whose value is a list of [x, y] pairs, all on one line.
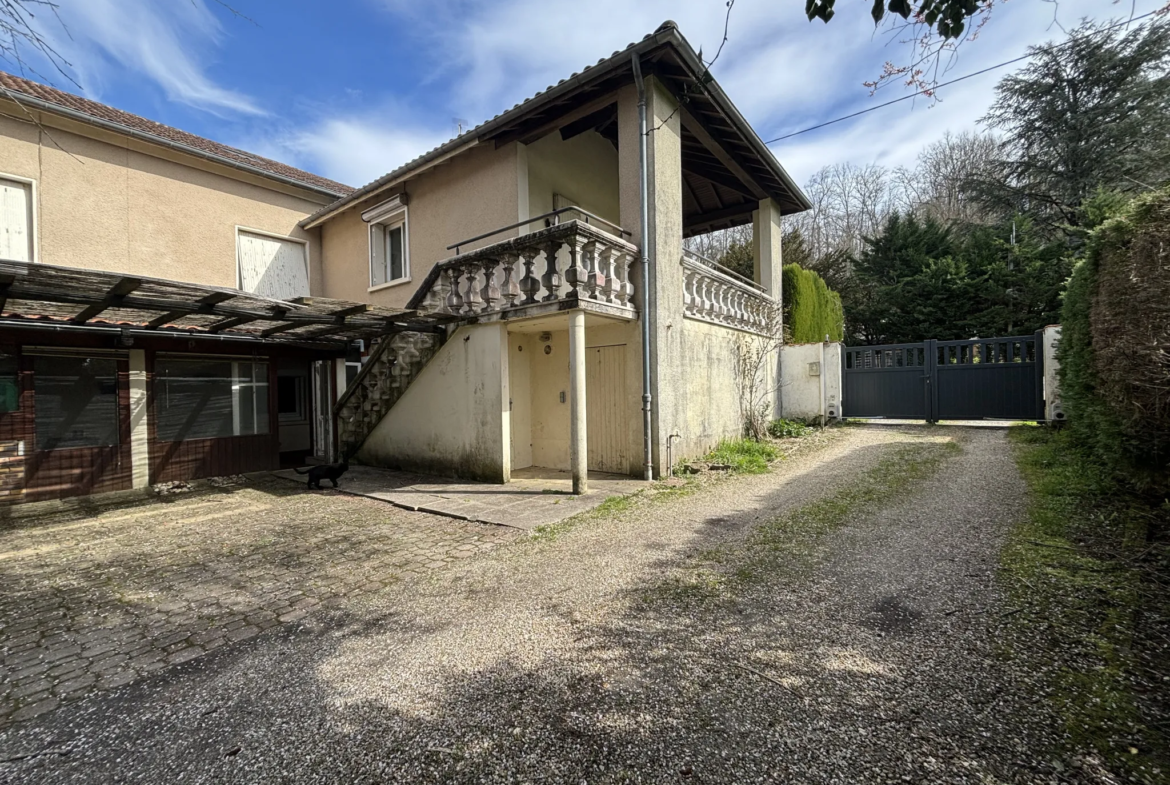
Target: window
{"points": [[76, 402], [389, 243], [353, 360], [210, 398], [16, 229], [9, 384], [291, 398], [271, 266]]}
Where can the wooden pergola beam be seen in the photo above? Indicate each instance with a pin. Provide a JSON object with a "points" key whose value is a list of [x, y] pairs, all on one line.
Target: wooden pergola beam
{"points": [[114, 297]]}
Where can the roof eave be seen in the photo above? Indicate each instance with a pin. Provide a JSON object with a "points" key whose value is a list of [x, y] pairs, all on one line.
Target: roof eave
{"points": [[666, 34], [109, 125]]}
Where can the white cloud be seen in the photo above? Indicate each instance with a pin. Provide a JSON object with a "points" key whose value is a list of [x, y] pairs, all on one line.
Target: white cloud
{"points": [[167, 42], [352, 148], [783, 72]]}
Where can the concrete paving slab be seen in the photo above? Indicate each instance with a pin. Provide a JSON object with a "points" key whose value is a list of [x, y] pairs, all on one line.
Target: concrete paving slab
{"points": [[535, 497]]}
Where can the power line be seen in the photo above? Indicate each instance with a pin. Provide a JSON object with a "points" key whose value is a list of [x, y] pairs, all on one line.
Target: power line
{"points": [[944, 84]]}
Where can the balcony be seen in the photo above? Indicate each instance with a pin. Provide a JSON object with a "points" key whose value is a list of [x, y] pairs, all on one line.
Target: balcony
{"points": [[712, 293], [568, 265]]}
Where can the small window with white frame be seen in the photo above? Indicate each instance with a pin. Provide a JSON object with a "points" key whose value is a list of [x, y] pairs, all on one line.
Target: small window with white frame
{"points": [[389, 243]]}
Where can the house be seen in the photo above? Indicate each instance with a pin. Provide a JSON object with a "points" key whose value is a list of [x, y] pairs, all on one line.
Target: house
{"points": [[522, 292]]}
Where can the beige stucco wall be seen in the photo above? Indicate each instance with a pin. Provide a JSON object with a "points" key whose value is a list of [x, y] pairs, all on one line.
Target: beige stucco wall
{"points": [[109, 202], [471, 194], [583, 169], [453, 420]]}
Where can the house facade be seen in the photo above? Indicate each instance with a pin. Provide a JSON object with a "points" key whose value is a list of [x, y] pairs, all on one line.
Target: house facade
{"points": [[521, 293]]}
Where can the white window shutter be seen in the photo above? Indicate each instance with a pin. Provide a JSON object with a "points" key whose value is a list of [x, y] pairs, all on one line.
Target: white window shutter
{"points": [[15, 221], [273, 267]]}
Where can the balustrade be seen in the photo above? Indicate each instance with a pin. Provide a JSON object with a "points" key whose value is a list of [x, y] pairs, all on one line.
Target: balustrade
{"points": [[568, 261], [722, 297]]}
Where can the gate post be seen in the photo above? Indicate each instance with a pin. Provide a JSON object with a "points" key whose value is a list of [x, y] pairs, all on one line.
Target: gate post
{"points": [[1041, 408], [930, 375]]}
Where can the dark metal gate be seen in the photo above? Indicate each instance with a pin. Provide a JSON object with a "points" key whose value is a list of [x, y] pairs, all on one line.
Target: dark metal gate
{"points": [[985, 378]]}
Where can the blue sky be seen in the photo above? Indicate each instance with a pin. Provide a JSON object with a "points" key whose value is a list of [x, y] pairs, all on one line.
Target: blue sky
{"points": [[353, 88]]}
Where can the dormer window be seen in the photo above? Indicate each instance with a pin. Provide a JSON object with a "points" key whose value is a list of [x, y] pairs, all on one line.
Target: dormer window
{"points": [[389, 243]]}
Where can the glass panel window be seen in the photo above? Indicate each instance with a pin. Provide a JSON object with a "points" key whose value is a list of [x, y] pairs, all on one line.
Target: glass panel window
{"points": [[395, 262], [389, 251], [9, 384], [291, 398], [210, 399], [76, 402]]}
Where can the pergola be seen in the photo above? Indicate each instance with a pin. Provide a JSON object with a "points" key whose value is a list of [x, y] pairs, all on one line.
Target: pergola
{"points": [[33, 294]]}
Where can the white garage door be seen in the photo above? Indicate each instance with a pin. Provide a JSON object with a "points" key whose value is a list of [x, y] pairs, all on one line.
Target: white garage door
{"points": [[272, 267]]}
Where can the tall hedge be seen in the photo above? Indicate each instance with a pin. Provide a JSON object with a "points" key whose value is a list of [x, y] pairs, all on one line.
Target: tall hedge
{"points": [[1115, 343], [811, 309]]}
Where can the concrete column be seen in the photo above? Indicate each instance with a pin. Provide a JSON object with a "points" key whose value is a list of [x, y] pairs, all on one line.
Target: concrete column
{"points": [[663, 246], [139, 421], [766, 246], [578, 446]]}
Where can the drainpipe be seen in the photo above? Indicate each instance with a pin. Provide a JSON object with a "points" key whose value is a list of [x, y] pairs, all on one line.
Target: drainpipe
{"points": [[824, 373], [647, 286]]}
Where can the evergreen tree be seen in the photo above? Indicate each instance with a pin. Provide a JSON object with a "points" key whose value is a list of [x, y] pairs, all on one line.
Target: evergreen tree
{"points": [[1092, 112]]}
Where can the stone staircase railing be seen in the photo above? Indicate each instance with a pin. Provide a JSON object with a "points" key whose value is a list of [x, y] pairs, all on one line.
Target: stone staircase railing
{"points": [[571, 261], [384, 377], [719, 296]]}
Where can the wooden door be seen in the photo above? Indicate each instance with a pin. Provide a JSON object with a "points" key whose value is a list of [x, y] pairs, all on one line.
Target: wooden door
{"points": [[606, 421]]}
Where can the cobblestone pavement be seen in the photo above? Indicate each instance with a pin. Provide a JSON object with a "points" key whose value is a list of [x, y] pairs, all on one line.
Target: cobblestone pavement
{"points": [[92, 602]]}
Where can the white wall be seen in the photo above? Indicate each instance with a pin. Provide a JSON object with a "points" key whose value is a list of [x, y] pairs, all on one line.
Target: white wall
{"points": [[1053, 409], [453, 420], [800, 390]]}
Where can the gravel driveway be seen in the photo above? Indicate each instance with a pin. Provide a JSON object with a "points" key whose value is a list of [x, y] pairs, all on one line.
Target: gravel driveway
{"points": [[867, 652]]}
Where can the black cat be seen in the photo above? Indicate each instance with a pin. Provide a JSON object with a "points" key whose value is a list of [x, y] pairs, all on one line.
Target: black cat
{"points": [[328, 471]]}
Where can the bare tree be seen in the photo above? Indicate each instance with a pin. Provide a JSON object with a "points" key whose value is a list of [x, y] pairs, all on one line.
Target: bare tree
{"points": [[940, 186], [755, 379], [23, 42], [850, 202]]}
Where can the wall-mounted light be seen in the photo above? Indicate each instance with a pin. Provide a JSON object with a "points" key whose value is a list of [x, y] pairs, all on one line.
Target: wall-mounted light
{"points": [[545, 337]]}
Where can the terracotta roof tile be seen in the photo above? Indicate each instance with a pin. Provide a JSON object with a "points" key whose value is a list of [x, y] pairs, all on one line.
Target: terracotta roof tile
{"points": [[15, 84]]}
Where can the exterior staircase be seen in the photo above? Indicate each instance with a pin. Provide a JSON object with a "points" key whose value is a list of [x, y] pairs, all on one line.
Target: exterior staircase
{"points": [[393, 365]]}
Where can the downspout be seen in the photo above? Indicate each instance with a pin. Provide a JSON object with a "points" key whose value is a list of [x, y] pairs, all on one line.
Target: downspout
{"points": [[647, 285]]}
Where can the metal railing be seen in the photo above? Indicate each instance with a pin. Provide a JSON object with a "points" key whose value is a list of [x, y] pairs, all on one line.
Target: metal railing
{"points": [[554, 214], [714, 265]]}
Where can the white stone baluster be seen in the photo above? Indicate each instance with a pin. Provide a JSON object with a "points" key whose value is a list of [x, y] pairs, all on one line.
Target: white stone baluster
{"points": [[510, 288], [454, 298], [491, 290], [529, 284], [472, 301], [551, 280]]}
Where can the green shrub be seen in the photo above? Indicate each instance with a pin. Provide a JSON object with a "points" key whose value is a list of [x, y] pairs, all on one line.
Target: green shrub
{"points": [[746, 456], [811, 309], [787, 429], [1114, 369]]}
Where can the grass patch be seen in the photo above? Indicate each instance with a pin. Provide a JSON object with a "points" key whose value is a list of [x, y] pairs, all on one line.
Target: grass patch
{"points": [[1090, 583], [788, 429], [744, 456], [784, 546]]}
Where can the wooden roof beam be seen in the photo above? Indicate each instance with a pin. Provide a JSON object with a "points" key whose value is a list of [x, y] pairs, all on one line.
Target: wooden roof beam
{"points": [[584, 110], [696, 127]]}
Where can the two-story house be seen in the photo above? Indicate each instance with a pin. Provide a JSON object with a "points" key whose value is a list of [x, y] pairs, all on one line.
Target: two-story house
{"points": [[522, 290]]}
